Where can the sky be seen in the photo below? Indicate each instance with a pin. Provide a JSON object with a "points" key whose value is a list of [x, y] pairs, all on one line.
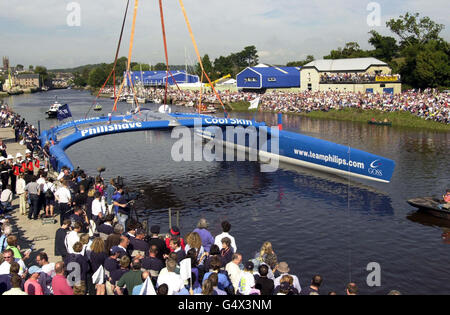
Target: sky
{"points": [[37, 33]]}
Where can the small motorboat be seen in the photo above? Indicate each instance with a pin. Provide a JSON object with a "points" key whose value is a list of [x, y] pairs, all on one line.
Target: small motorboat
{"points": [[431, 206], [97, 107], [379, 123], [141, 100], [52, 112], [207, 110], [130, 99]]}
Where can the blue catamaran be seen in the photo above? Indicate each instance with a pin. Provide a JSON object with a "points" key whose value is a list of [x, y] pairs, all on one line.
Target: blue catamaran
{"points": [[269, 143]]}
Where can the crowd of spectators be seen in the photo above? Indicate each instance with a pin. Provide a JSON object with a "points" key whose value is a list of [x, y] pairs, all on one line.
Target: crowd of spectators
{"points": [[355, 77], [429, 104]]}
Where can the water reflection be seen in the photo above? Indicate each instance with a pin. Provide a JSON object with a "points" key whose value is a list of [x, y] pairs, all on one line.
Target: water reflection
{"points": [[426, 219], [236, 183]]}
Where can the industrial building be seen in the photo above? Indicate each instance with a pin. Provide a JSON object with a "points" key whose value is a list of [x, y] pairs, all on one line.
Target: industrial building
{"points": [[158, 78], [366, 75], [27, 80], [262, 77]]}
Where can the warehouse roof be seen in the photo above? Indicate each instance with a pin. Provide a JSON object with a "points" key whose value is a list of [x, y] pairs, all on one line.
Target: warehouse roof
{"points": [[274, 71], [350, 64]]}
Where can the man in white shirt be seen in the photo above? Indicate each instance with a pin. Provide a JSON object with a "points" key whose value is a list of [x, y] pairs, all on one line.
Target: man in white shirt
{"points": [[226, 226], [64, 172], [6, 198], [283, 268], [64, 198], [98, 207], [173, 280], [41, 182], [233, 270], [48, 268], [72, 237], [20, 190]]}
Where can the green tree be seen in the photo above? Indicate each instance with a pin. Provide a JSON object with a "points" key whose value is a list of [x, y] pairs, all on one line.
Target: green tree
{"points": [[386, 47], [432, 68], [30, 68], [223, 66], [250, 55], [425, 54], [160, 67], [300, 63], [414, 30], [351, 50], [97, 76], [42, 71], [207, 66], [144, 66]]}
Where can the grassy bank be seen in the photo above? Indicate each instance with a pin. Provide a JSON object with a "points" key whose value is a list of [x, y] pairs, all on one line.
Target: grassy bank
{"points": [[398, 119]]}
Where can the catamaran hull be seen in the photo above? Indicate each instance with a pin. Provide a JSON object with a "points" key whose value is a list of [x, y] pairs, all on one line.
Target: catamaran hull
{"points": [[312, 153], [271, 144]]}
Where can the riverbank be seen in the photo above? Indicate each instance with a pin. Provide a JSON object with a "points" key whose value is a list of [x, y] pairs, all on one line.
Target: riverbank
{"points": [[29, 232], [398, 119]]}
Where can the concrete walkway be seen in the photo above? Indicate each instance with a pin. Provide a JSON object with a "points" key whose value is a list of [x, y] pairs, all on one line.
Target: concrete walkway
{"points": [[29, 232]]}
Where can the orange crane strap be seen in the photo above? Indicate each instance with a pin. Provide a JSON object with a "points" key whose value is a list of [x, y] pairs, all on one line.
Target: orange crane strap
{"points": [[197, 52]]}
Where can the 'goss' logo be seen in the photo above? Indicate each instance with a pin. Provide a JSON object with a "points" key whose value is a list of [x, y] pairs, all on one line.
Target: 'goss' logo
{"points": [[373, 170], [374, 164]]}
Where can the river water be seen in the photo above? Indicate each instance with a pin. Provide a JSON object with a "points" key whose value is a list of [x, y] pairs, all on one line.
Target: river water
{"points": [[318, 223]]}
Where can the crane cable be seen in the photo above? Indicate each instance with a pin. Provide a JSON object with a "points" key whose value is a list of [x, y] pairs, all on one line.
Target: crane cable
{"points": [[130, 53], [163, 28], [198, 54], [115, 62]]}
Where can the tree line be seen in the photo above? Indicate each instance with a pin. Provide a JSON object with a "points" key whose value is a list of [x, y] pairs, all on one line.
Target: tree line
{"points": [[418, 53]]}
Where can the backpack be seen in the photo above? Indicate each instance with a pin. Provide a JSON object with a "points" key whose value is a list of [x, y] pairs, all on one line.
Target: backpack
{"points": [[49, 193]]}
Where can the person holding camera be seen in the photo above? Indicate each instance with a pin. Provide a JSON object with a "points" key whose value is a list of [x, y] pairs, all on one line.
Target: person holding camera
{"points": [[121, 206]]}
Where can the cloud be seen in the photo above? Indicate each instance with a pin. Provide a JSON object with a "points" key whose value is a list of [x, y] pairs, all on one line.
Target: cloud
{"points": [[282, 31]]}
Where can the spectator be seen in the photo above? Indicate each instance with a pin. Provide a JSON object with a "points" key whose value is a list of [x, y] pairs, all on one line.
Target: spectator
{"points": [[226, 227], [233, 270], [173, 280], [16, 283], [352, 289], [262, 282], [313, 289], [130, 279], [32, 286], [205, 235], [283, 268], [60, 284]]}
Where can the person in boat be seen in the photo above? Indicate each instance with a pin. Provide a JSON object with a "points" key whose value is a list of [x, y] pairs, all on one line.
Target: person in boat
{"points": [[446, 197]]}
